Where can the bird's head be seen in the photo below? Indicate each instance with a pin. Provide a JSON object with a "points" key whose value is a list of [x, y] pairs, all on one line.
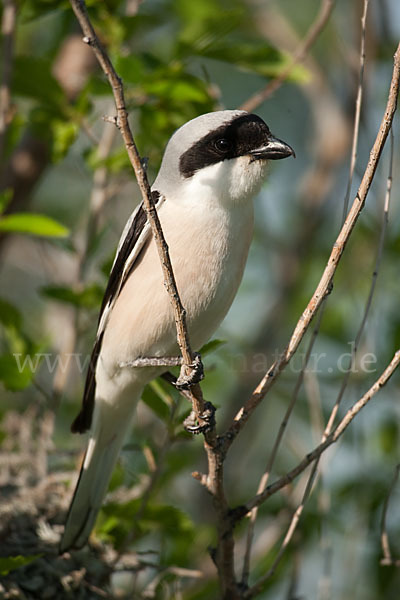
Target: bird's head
{"points": [[224, 153]]}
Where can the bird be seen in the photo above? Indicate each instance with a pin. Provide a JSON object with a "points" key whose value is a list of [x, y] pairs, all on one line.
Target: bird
{"points": [[212, 168]]}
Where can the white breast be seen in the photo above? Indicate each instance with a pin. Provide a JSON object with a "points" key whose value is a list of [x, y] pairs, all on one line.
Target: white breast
{"points": [[208, 255], [208, 245]]}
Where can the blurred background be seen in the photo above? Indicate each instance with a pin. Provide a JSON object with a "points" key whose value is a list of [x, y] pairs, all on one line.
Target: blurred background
{"points": [[66, 191]]}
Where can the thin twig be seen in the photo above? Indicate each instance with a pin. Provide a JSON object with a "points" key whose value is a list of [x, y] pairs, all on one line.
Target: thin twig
{"points": [[150, 589], [297, 514], [368, 304], [91, 38], [336, 406], [314, 456], [289, 534], [99, 194], [299, 55], [325, 283], [356, 126], [264, 479], [214, 480], [388, 559], [8, 23], [299, 510], [382, 235], [146, 494], [311, 457], [331, 439]]}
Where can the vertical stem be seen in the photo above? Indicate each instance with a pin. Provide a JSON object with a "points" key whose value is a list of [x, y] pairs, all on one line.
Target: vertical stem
{"points": [[356, 126], [7, 30]]}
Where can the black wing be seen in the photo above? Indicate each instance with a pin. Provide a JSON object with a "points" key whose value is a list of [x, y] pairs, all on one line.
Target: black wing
{"points": [[118, 276]]}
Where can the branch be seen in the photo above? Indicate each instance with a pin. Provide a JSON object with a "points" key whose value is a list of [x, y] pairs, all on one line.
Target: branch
{"points": [[156, 469], [325, 284], [8, 33], [314, 471], [285, 421], [224, 553], [331, 439], [288, 536], [356, 125], [299, 55], [91, 38], [368, 303], [326, 437], [311, 457], [388, 559]]}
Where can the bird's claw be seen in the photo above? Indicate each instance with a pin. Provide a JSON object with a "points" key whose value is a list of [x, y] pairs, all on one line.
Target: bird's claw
{"points": [[196, 424], [186, 381]]}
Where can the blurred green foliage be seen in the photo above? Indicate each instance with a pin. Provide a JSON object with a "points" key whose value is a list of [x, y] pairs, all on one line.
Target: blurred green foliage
{"points": [[15, 562]]}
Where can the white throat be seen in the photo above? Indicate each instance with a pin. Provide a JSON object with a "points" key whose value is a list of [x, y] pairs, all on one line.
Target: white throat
{"points": [[229, 182]]}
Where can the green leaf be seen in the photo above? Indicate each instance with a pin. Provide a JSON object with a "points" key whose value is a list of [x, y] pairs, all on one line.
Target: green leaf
{"points": [[211, 346], [95, 242], [33, 224], [115, 162], [10, 563], [98, 86], [130, 68], [168, 518], [117, 477], [254, 56], [21, 357], [201, 21], [3, 436], [107, 265], [5, 199], [17, 370], [32, 78], [34, 9], [174, 85], [90, 297], [9, 314], [65, 133], [155, 402], [116, 520]]}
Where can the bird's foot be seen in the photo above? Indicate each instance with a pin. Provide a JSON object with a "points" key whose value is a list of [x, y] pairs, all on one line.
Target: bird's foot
{"points": [[196, 423], [186, 380]]}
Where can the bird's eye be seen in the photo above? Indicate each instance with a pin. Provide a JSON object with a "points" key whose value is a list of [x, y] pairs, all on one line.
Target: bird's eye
{"points": [[222, 145]]}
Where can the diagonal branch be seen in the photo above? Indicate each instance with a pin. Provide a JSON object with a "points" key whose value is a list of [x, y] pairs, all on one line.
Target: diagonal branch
{"points": [[316, 27], [316, 453], [325, 283], [314, 471], [122, 123], [265, 477], [332, 437], [356, 342]]}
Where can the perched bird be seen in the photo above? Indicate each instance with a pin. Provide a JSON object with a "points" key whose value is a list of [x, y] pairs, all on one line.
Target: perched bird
{"points": [[212, 168]]}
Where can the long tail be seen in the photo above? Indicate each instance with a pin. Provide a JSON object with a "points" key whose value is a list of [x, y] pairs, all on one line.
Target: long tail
{"points": [[106, 438]]}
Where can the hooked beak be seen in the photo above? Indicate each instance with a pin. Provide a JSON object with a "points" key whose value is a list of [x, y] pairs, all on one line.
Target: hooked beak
{"points": [[274, 149]]}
